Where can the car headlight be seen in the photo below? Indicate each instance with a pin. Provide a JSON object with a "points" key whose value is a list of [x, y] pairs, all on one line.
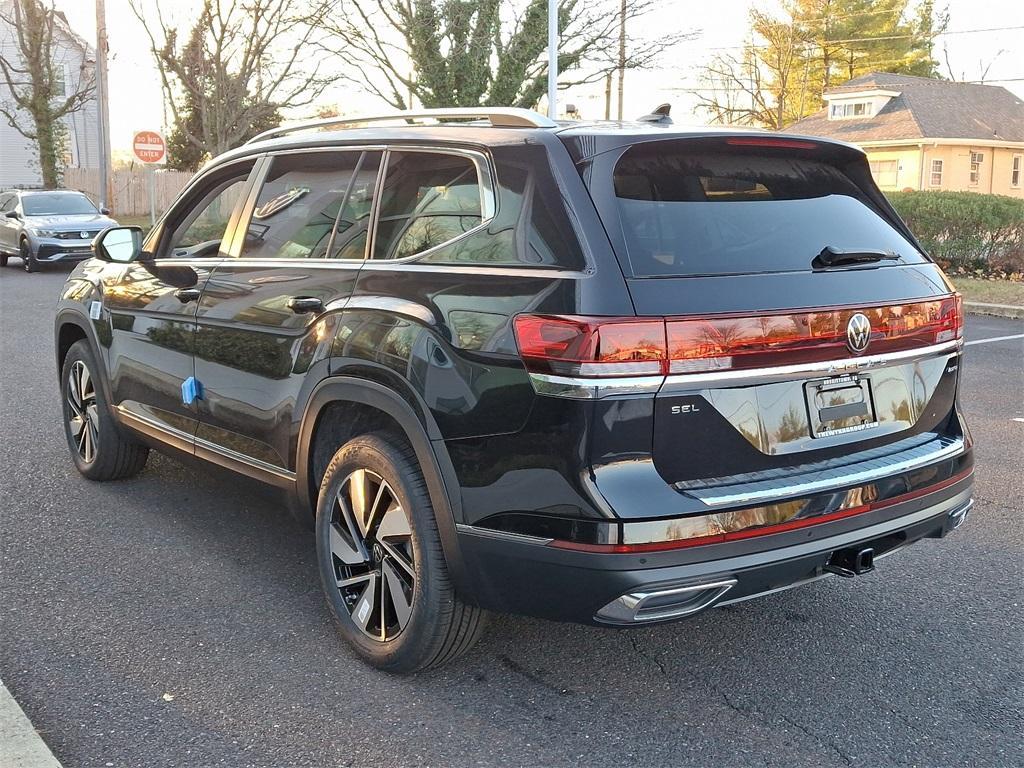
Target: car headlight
{"points": [[44, 232]]}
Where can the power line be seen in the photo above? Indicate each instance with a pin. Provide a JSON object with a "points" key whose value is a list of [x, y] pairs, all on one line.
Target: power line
{"points": [[844, 41]]}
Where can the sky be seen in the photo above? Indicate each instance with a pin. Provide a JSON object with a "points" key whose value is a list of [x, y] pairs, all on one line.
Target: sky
{"points": [[136, 102]]}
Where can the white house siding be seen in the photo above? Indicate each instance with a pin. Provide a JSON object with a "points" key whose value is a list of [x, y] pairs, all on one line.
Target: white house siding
{"points": [[19, 159]]}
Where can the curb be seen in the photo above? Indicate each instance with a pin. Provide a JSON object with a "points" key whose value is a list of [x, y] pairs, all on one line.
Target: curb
{"points": [[21, 746], [995, 310]]}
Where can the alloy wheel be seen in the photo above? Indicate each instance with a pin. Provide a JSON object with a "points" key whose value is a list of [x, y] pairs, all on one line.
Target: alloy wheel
{"points": [[372, 552], [83, 421]]}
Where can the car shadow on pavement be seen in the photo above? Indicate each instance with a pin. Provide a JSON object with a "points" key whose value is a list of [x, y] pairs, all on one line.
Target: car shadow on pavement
{"points": [[827, 671]]}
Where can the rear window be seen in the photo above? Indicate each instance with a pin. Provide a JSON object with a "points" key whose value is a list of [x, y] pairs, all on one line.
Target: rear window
{"points": [[716, 213]]}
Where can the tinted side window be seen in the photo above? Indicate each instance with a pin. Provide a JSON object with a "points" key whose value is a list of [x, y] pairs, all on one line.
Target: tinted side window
{"points": [[197, 225], [427, 199], [353, 224], [532, 224], [304, 199]]}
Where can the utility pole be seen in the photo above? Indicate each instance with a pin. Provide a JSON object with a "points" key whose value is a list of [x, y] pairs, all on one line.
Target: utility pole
{"points": [[553, 59], [104, 111], [622, 53]]}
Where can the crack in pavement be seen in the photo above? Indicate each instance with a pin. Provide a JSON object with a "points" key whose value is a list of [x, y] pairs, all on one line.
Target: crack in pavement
{"points": [[748, 713], [646, 656]]}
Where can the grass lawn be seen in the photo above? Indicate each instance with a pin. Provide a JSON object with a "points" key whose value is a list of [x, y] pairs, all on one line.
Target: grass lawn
{"points": [[990, 291]]}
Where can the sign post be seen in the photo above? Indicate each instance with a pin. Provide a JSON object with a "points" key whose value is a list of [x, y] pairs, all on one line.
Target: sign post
{"points": [[150, 148]]}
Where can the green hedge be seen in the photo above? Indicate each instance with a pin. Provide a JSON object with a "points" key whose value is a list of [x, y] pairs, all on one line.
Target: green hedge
{"points": [[966, 230]]}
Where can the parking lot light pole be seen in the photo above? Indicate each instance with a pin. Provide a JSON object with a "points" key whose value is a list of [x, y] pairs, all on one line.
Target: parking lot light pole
{"points": [[553, 59]]}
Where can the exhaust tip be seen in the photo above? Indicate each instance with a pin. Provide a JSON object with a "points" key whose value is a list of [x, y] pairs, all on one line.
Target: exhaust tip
{"points": [[662, 603], [958, 516]]}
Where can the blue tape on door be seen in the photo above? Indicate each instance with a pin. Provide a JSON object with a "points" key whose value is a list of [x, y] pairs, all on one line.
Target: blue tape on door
{"points": [[191, 390]]}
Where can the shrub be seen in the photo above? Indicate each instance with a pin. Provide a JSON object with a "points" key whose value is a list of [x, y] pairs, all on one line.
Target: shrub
{"points": [[966, 231]]}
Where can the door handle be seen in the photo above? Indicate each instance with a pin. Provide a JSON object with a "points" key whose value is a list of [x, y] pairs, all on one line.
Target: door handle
{"points": [[302, 305], [185, 295]]}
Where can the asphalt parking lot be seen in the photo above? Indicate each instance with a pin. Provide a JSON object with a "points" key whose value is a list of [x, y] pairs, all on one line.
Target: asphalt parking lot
{"points": [[176, 619]]}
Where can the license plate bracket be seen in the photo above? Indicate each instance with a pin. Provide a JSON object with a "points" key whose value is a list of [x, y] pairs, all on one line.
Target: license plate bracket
{"points": [[839, 405]]}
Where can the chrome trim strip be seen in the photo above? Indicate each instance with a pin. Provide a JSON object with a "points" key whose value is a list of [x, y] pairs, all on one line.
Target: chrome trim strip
{"points": [[691, 381], [593, 389], [489, 533], [859, 477], [863, 534], [584, 388], [241, 458], [149, 426]]}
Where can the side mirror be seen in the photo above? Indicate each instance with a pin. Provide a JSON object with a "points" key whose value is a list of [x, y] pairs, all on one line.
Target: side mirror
{"points": [[105, 211], [119, 244], [12, 215]]}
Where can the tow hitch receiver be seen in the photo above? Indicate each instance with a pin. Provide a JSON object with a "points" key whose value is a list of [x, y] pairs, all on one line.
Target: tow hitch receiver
{"points": [[851, 562]]}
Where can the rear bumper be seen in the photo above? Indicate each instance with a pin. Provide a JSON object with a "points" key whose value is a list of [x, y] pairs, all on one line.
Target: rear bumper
{"points": [[521, 574]]}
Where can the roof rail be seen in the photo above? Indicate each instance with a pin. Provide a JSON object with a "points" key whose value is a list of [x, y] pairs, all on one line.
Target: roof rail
{"points": [[499, 117]]}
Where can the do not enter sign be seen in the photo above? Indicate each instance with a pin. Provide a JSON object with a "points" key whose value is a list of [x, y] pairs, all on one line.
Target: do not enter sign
{"points": [[149, 147]]}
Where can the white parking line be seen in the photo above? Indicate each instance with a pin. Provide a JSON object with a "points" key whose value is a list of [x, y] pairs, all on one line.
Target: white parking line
{"points": [[20, 744], [996, 338]]}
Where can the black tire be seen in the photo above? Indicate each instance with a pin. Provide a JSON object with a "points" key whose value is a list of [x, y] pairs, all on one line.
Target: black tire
{"points": [[98, 448], [406, 564], [28, 261], [3, 259]]}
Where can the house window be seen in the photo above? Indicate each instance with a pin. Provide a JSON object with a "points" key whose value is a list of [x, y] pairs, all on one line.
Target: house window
{"points": [[976, 158], [936, 176], [885, 172], [1015, 168], [855, 109], [59, 84]]}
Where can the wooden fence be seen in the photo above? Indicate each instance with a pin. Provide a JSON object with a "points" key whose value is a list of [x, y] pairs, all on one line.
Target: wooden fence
{"points": [[131, 190]]}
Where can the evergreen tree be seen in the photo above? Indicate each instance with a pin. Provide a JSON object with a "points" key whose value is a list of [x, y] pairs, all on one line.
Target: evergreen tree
{"points": [[789, 62]]}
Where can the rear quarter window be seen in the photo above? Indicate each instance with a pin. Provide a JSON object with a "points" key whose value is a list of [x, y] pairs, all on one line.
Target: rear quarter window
{"points": [[532, 225], [696, 212]]}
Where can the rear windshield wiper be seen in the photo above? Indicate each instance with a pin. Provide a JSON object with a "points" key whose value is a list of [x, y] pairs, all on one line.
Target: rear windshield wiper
{"points": [[833, 257]]}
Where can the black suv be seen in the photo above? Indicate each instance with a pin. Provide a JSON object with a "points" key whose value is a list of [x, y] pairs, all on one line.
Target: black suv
{"points": [[608, 373]]}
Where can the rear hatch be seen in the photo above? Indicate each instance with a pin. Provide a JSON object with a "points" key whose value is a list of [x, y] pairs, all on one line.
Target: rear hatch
{"points": [[803, 322]]}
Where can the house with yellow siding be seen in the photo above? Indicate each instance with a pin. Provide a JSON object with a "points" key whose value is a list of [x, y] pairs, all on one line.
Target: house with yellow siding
{"points": [[921, 133]]}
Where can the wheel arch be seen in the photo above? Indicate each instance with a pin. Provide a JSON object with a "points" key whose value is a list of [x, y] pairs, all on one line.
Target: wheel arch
{"points": [[363, 396], [70, 327]]}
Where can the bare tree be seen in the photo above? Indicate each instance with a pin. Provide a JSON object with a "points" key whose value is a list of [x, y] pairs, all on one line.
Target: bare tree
{"points": [[446, 53], [756, 86], [983, 68], [242, 61], [39, 94]]}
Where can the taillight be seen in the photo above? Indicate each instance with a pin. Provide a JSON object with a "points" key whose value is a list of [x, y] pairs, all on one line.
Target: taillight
{"points": [[591, 346], [604, 347], [755, 341]]}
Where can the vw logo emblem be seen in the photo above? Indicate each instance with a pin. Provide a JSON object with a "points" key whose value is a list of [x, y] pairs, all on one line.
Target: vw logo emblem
{"points": [[84, 235], [858, 333]]}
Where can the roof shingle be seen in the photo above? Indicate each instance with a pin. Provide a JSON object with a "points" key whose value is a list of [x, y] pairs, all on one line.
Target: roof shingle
{"points": [[925, 109]]}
